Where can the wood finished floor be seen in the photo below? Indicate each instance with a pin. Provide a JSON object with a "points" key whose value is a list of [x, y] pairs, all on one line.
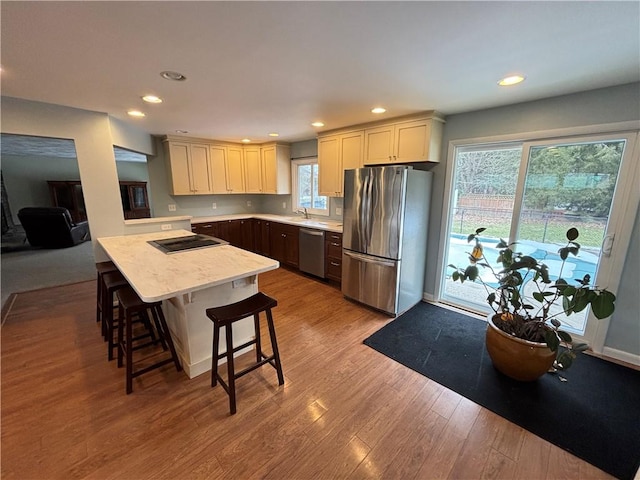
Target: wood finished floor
{"points": [[345, 411]]}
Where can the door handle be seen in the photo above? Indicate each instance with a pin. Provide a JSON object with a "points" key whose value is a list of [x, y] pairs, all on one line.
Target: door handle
{"points": [[607, 244], [367, 259]]}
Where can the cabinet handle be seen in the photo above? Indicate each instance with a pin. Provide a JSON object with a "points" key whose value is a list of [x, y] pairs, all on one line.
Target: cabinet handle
{"points": [[389, 157], [335, 244], [335, 264]]}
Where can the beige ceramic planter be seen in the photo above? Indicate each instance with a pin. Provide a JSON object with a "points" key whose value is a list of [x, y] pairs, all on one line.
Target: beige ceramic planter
{"points": [[516, 358]]}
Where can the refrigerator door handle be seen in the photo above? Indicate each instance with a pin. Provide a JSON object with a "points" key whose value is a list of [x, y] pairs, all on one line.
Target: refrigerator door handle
{"points": [[369, 220], [369, 259]]}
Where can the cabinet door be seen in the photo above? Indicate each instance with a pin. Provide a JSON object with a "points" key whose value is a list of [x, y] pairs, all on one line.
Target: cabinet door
{"points": [[329, 166], [351, 154], [252, 170], [234, 232], [262, 233], [292, 247], [277, 242], [180, 183], [218, 162], [269, 170], [412, 141], [246, 234], [379, 145], [235, 170], [200, 169]]}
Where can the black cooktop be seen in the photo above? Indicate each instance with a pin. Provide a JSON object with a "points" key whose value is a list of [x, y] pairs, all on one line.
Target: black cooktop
{"points": [[179, 244]]}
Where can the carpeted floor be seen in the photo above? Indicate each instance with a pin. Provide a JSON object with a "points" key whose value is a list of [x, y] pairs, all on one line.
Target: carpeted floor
{"points": [[594, 414], [27, 268]]}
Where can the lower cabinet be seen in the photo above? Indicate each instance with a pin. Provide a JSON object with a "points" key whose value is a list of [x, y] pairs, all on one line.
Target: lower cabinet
{"points": [[333, 256], [285, 244], [262, 237], [279, 241], [238, 233]]}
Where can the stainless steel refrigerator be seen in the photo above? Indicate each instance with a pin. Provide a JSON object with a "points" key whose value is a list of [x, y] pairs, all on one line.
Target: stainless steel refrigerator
{"points": [[385, 236]]}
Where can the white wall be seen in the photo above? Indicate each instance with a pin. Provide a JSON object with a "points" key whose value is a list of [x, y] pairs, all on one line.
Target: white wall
{"points": [[92, 135]]}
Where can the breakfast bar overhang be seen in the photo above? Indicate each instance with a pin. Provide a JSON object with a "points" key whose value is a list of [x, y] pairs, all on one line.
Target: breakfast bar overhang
{"points": [[188, 282]]}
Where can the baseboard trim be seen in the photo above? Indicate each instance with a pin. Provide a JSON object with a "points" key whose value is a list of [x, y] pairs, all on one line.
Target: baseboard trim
{"points": [[625, 357]]}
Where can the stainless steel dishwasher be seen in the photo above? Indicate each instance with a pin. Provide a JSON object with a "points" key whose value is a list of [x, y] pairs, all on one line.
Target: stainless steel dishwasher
{"points": [[311, 249]]}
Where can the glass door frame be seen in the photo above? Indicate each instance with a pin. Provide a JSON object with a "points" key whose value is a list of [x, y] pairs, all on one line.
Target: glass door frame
{"points": [[626, 198]]}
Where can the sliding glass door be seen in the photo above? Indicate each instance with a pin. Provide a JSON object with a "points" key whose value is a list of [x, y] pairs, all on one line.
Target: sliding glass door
{"points": [[532, 193]]}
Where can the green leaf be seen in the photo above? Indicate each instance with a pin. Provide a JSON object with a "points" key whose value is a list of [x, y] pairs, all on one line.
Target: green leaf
{"points": [[480, 230], [470, 237], [572, 234], [555, 322], [564, 253], [455, 276], [502, 244], [603, 305], [471, 272], [565, 359], [491, 298], [539, 296], [580, 300], [564, 336], [579, 347], [552, 340]]}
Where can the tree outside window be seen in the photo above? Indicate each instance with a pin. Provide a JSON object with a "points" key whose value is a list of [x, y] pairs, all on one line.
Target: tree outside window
{"points": [[305, 183]]}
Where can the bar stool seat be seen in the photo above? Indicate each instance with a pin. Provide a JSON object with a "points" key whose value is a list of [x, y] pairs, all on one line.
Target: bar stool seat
{"points": [[225, 316], [130, 305]]}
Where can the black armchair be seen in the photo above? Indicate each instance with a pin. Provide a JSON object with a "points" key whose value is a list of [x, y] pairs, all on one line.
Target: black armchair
{"points": [[52, 227]]}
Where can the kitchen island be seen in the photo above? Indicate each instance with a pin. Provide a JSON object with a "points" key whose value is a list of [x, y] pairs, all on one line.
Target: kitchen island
{"points": [[188, 282]]}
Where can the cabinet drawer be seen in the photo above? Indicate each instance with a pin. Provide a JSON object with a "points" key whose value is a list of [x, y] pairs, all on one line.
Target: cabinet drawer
{"points": [[204, 228], [334, 269], [334, 249], [334, 237]]}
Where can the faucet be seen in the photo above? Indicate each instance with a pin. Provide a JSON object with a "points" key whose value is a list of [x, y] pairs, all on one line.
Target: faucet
{"points": [[303, 212]]}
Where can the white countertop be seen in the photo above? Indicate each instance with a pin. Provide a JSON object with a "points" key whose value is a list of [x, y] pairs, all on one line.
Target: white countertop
{"points": [[156, 276], [299, 220]]}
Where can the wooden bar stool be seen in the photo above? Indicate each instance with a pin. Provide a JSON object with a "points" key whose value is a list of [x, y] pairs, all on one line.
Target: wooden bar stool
{"points": [[225, 316], [111, 283], [101, 269], [130, 305]]}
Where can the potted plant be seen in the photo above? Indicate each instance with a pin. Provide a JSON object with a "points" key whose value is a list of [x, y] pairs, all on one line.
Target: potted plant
{"points": [[524, 336]]}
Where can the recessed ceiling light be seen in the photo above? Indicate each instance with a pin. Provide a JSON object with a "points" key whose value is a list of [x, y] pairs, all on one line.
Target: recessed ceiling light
{"points": [[511, 80], [317, 124], [274, 134], [178, 77], [182, 131], [246, 140], [152, 99], [136, 113], [378, 110]]}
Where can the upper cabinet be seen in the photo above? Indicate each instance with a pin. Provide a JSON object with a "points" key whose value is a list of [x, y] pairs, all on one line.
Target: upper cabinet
{"points": [[252, 169], [276, 168], [337, 153], [217, 168], [417, 140], [188, 165], [227, 169]]}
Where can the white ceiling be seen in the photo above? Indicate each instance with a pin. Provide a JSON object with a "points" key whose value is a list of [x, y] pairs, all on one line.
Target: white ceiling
{"points": [[259, 67]]}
